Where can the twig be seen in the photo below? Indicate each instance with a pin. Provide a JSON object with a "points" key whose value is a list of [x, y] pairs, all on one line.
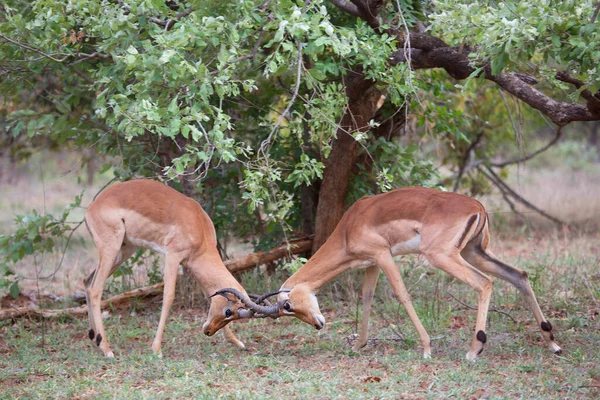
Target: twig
{"points": [[397, 332], [26, 47], [465, 160], [490, 309], [492, 176], [595, 13], [265, 144], [535, 153], [247, 56]]}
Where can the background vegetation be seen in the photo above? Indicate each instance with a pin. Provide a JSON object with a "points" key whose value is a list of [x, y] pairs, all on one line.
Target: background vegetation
{"points": [[276, 116]]}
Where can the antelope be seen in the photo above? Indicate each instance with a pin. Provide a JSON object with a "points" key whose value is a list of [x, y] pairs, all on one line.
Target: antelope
{"points": [[151, 215], [450, 230]]}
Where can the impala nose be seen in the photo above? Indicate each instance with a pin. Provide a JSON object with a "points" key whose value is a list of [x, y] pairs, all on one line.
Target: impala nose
{"points": [[206, 329], [319, 322]]}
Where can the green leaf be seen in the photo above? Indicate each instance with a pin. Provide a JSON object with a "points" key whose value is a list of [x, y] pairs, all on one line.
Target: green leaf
{"points": [[14, 290], [498, 63]]}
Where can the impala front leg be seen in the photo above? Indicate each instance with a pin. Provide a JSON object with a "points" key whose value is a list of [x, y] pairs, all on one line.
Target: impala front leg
{"points": [[170, 279], [389, 268], [368, 292], [231, 338]]}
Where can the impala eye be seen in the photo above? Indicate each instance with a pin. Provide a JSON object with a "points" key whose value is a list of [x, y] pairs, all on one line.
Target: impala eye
{"points": [[287, 306], [228, 313]]}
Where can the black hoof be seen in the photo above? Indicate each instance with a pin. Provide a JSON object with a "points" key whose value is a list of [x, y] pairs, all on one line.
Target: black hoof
{"points": [[481, 337]]}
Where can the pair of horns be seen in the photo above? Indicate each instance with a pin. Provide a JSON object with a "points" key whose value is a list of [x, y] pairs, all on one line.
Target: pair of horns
{"points": [[254, 306]]}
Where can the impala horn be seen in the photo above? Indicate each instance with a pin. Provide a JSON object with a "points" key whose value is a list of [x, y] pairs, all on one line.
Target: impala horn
{"points": [[270, 311]]}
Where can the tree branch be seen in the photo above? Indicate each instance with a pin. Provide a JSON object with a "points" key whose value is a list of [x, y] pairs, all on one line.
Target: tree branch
{"points": [[465, 160], [433, 54], [557, 136], [369, 11], [153, 290], [492, 176], [347, 7], [250, 261], [595, 13], [27, 47], [593, 101]]}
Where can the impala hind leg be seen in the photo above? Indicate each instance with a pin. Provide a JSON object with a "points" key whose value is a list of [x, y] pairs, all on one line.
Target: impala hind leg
{"points": [[368, 292], [96, 333], [112, 254], [388, 266], [452, 263], [170, 279], [123, 255], [487, 262]]}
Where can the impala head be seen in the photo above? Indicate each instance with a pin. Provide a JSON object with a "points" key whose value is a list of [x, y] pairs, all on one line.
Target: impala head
{"points": [[223, 310], [301, 303]]}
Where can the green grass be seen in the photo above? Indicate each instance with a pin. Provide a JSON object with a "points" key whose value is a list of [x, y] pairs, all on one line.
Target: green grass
{"points": [[286, 358]]}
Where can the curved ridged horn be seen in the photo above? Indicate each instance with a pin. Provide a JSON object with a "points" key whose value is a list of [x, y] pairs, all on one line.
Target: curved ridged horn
{"points": [[267, 310], [265, 296], [243, 313]]}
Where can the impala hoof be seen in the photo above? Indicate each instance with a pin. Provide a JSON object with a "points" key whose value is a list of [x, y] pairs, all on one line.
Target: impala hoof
{"points": [[555, 348]]}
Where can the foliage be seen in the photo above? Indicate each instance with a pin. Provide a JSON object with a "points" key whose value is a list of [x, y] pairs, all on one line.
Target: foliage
{"points": [[35, 234], [245, 98], [197, 98], [525, 33]]}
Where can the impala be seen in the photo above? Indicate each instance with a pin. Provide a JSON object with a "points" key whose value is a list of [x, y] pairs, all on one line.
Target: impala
{"points": [[450, 230], [151, 215]]}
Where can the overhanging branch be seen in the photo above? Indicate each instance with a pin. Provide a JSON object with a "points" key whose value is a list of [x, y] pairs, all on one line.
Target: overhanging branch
{"points": [[424, 51]]}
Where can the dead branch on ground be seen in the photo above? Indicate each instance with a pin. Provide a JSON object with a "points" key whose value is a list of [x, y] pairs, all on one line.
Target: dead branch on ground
{"points": [[235, 266]]}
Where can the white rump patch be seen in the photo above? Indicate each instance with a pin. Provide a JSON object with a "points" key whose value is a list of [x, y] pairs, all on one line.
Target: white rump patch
{"points": [[407, 247]]}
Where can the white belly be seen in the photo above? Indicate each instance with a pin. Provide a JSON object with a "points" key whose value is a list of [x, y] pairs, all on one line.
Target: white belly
{"points": [[407, 247], [145, 244]]}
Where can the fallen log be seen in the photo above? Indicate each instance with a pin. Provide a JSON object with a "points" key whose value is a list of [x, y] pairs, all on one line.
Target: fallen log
{"points": [[235, 265], [15, 312], [253, 260]]}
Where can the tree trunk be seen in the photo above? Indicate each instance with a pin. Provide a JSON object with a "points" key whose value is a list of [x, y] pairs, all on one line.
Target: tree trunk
{"points": [[363, 101]]}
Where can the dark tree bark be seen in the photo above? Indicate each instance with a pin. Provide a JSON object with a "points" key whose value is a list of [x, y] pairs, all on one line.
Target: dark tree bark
{"points": [[363, 102]]}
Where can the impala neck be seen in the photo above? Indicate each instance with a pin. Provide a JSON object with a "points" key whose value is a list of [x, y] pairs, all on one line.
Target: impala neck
{"points": [[327, 263], [212, 273]]}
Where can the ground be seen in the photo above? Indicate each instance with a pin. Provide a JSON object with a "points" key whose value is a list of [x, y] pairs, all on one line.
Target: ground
{"points": [[286, 358]]}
